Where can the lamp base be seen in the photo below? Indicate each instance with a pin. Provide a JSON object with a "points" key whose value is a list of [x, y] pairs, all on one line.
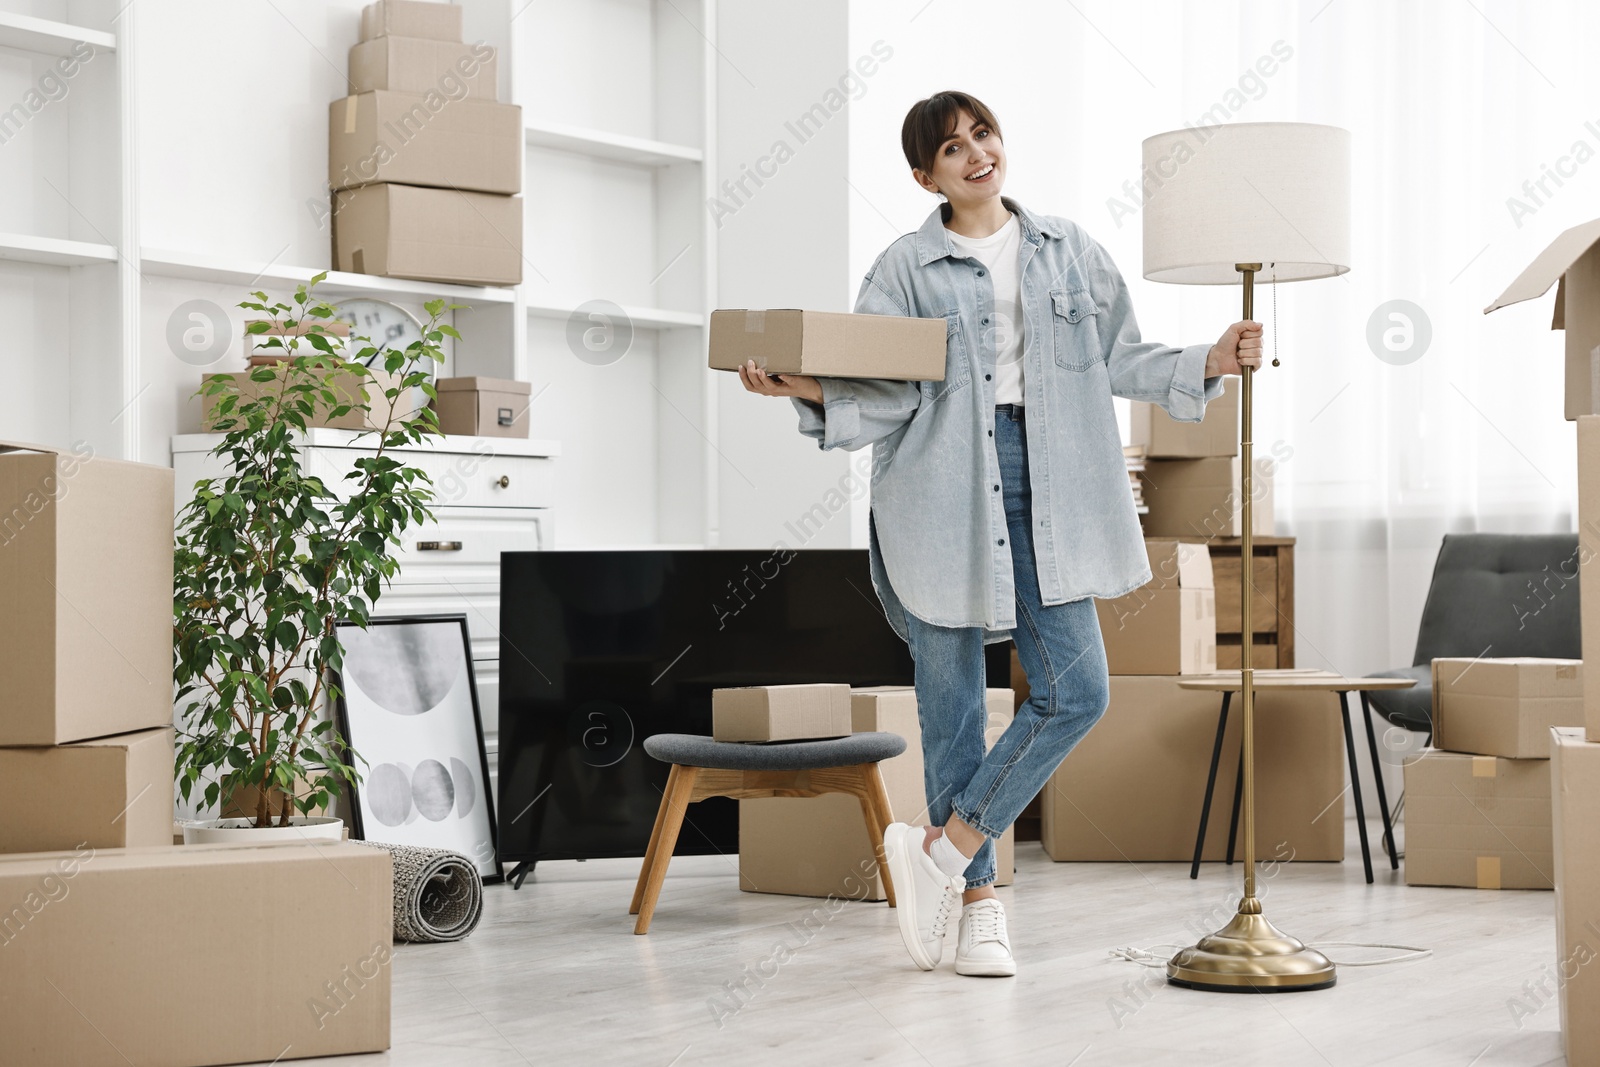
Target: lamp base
{"points": [[1250, 955]]}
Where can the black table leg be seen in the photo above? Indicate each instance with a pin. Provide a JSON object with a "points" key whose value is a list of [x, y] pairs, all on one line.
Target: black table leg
{"points": [[1238, 795], [1211, 785], [1377, 773], [1355, 783]]}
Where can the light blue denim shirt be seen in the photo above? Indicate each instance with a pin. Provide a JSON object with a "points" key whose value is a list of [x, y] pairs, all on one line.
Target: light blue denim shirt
{"points": [[938, 526]]}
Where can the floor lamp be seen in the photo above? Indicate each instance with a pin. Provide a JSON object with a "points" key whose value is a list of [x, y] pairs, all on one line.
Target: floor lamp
{"points": [[1224, 202]]}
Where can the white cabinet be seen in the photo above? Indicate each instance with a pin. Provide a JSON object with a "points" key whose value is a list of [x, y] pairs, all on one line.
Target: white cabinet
{"points": [[491, 495]]}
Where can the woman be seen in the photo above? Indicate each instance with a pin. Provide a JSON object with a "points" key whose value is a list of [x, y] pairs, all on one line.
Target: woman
{"points": [[1000, 501]]}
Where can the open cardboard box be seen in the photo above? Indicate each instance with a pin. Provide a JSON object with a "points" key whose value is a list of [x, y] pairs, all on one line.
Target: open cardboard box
{"points": [[1572, 264]]}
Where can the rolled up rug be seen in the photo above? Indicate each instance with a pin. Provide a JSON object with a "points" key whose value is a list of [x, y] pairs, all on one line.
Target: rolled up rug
{"points": [[438, 894]]}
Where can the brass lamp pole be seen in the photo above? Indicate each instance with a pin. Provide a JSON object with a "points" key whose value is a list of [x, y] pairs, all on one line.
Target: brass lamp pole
{"points": [[1249, 955]]}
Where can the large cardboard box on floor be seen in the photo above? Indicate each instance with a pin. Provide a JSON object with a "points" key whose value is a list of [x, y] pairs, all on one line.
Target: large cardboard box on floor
{"points": [[416, 139], [818, 846], [411, 18], [134, 955], [451, 69], [1575, 796], [1169, 624], [436, 235], [349, 390], [1132, 789], [1505, 707], [1589, 564], [1572, 264], [1482, 822], [1205, 497], [830, 343], [1164, 437], [780, 712], [110, 792], [86, 588]]}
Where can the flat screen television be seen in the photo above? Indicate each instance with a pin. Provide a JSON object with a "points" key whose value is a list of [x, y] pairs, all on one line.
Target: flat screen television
{"points": [[601, 649]]}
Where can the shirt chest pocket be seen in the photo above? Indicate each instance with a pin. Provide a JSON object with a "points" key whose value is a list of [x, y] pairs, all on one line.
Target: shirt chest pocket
{"points": [[1075, 321], [956, 370]]}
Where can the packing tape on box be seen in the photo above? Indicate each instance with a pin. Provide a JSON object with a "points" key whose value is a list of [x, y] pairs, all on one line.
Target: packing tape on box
{"points": [[350, 113], [755, 322], [1488, 872], [1483, 766]]}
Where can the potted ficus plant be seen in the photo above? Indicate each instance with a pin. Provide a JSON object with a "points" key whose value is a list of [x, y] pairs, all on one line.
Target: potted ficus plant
{"points": [[269, 559]]}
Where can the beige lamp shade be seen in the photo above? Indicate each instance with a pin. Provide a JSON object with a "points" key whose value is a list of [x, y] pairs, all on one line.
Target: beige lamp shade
{"points": [[1274, 193]]}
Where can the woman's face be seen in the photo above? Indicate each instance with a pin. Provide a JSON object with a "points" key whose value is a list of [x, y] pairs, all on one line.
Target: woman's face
{"points": [[970, 165]]}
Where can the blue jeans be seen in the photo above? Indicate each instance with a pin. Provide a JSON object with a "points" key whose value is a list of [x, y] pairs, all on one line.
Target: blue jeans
{"points": [[1065, 660]]}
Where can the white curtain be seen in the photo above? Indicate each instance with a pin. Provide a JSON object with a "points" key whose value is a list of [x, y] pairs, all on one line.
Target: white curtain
{"points": [[1453, 105]]}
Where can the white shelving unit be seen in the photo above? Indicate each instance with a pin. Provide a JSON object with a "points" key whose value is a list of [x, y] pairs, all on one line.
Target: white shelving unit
{"points": [[601, 144], [201, 268], [26, 33]]}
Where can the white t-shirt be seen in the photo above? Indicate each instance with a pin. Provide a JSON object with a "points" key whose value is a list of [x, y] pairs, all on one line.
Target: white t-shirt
{"points": [[998, 253]]}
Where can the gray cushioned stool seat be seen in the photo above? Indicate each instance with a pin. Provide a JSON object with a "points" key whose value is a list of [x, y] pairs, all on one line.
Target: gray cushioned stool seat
{"points": [[696, 750]]}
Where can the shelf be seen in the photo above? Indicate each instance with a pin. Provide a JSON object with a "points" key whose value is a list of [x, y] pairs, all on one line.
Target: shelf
{"points": [[621, 147], [642, 318], [54, 250], [325, 437], [49, 37], [338, 283]]}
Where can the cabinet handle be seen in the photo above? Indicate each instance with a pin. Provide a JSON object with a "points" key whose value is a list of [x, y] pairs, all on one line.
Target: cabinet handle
{"points": [[438, 546], [504, 481]]}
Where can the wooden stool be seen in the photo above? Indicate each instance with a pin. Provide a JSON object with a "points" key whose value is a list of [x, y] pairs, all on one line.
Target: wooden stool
{"points": [[704, 768]]}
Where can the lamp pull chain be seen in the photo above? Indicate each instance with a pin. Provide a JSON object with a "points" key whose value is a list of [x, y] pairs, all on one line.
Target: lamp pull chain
{"points": [[1274, 314]]}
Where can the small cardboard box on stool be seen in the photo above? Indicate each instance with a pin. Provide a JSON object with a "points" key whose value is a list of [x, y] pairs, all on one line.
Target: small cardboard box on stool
{"points": [[1131, 790], [1169, 624], [1575, 796], [86, 569], [818, 846], [134, 955], [780, 712]]}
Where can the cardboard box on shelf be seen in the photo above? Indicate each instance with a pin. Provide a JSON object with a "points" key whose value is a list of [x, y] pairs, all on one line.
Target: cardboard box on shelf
{"points": [[818, 846], [1481, 822], [110, 792], [1575, 796], [780, 712], [415, 139], [1589, 564], [437, 235], [1132, 789], [348, 389], [836, 344], [88, 929], [1163, 437], [86, 580], [1505, 707], [1572, 264], [1204, 497], [411, 18], [486, 407], [1169, 624], [452, 69]]}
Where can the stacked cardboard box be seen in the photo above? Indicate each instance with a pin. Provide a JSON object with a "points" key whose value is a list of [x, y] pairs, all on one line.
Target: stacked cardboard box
{"points": [[1191, 482], [818, 846], [423, 162], [1169, 624], [1478, 806], [1132, 789], [86, 679]]}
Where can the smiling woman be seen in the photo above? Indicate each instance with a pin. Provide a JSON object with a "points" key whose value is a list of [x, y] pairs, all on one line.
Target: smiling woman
{"points": [[1000, 499]]}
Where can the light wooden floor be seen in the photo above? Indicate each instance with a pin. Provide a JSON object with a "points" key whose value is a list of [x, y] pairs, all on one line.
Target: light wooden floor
{"points": [[555, 975]]}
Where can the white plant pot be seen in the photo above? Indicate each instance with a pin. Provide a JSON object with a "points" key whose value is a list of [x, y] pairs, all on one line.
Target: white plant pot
{"points": [[301, 828]]}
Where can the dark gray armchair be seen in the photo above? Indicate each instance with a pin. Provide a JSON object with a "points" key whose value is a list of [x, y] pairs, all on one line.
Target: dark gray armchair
{"points": [[1493, 595]]}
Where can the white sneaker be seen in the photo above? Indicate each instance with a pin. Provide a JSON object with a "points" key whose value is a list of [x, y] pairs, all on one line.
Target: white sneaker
{"points": [[982, 947], [924, 895]]}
